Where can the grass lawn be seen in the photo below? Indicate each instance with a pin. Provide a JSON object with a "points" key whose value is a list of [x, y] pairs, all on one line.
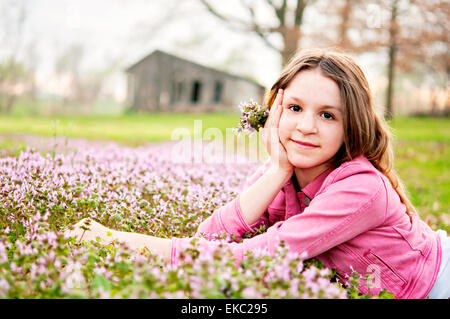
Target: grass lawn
{"points": [[422, 145], [129, 129]]}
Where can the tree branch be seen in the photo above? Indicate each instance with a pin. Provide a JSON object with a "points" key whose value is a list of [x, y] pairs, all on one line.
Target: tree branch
{"points": [[299, 12], [251, 26], [228, 20]]}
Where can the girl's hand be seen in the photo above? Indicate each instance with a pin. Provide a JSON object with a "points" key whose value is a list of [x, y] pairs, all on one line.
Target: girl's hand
{"points": [[88, 229], [271, 138]]}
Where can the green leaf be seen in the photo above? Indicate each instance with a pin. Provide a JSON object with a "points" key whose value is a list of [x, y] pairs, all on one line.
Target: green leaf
{"points": [[100, 281]]}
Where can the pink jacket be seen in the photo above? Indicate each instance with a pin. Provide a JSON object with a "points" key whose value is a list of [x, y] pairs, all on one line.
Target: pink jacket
{"points": [[350, 218]]}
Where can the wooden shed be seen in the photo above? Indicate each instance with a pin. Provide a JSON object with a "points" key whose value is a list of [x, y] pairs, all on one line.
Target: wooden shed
{"points": [[162, 82]]}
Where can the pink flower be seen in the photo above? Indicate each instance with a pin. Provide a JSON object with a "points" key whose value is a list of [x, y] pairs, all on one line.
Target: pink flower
{"points": [[253, 117]]}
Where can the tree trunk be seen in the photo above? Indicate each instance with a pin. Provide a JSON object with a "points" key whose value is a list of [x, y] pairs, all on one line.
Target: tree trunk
{"points": [[291, 37], [344, 25], [10, 100], [388, 113]]}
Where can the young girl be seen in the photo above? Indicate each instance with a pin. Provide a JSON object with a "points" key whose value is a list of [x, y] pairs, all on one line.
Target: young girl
{"points": [[328, 189]]}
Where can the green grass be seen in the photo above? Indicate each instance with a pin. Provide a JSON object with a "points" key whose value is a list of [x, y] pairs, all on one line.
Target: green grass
{"points": [[128, 129], [433, 129], [421, 144], [424, 168], [422, 153]]}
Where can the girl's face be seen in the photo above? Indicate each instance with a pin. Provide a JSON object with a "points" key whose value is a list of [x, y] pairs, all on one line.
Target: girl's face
{"points": [[311, 126]]}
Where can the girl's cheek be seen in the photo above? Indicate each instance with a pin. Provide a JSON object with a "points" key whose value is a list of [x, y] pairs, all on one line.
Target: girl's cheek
{"points": [[286, 122]]}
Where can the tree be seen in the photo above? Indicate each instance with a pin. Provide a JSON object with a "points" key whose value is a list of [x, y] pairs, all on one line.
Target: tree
{"points": [[82, 86], [413, 34], [68, 69], [418, 39], [288, 17], [392, 47], [14, 75]]}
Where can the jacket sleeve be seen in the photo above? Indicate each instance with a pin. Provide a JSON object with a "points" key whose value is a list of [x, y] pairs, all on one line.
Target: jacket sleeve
{"points": [[229, 218], [350, 205]]}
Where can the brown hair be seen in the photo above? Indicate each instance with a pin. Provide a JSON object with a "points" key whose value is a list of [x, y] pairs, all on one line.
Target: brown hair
{"points": [[365, 133]]}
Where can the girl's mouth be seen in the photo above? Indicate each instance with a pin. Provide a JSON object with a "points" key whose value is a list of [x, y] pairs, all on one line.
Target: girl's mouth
{"points": [[304, 145]]}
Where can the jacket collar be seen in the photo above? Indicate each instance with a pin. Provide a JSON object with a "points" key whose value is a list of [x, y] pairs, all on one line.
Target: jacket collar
{"points": [[312, 188], [292, 197]]}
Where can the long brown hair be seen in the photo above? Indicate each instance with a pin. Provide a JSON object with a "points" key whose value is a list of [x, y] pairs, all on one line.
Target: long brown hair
{"points": [[365, 133]]}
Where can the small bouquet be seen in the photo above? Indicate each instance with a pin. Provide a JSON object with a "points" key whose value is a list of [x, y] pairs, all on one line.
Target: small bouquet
{"points": [[253, 117]]}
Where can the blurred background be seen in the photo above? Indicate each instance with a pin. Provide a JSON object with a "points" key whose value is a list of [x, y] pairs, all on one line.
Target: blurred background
{"points": [[133, 71], [72, 57]]}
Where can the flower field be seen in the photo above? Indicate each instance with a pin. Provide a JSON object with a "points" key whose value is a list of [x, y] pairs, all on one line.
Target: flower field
{"points": [[45, 189]]}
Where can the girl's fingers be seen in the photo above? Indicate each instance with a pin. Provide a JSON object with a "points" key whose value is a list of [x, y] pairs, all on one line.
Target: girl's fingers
{"points": [[273, 110], [280, 111], [279, 98]]}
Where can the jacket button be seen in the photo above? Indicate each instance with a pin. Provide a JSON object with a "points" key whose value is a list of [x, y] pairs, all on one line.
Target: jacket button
{"points": [[307, 200]]}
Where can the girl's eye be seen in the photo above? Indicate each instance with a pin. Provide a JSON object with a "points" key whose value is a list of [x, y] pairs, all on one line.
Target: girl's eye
{"points": [[327, 115], [295, 108]]}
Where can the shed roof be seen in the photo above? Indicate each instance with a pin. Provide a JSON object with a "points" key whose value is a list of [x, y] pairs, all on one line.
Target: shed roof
{"points": [[155, 52]]}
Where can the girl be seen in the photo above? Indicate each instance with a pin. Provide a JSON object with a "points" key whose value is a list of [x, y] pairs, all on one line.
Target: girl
{"points": [[328, 189]]}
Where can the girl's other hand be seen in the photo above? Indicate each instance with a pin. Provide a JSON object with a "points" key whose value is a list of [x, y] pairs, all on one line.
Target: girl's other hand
{"points": [[271, 139], [88, 229]]}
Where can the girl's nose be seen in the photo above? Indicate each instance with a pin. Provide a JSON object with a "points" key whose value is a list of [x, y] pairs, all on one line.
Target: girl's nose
{"points": [[307, 124]]}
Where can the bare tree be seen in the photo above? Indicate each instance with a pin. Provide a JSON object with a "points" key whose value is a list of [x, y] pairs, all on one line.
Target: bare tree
{"points": [[393, 48], [418, 40], [413, 34], [288, 19], [345, 13], [68, 69], [13, 73], [83, 86]]}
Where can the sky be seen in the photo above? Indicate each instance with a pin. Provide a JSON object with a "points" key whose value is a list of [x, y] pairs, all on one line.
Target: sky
{"points": [[119, 32]]}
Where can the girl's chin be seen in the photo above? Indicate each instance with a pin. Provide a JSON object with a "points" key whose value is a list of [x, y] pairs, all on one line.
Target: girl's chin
{"points": [[302, 162]]}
